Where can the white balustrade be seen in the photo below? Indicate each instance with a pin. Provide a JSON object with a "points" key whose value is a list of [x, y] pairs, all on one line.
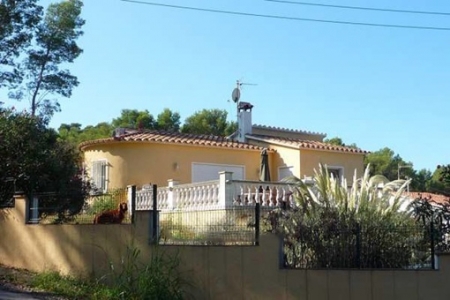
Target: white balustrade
{"points": [[196, 196], [265, 193], [217, 194], [144, 199]]}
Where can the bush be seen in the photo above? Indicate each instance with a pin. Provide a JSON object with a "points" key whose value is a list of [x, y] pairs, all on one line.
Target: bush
{"points": [[368, 226]]}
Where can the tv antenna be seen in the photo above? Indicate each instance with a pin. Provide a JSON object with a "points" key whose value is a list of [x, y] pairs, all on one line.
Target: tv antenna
{"points": [[236, 94]]}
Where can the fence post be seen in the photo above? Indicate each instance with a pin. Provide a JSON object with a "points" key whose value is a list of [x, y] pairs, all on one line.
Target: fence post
{"points": [[133, 204], [358, 245], [154, 216], [225, 189], [257, 222], [432, 246], [171, 201]]}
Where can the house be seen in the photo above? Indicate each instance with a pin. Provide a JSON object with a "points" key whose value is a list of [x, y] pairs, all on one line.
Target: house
{"points": [[430, 197], [141, 157]]}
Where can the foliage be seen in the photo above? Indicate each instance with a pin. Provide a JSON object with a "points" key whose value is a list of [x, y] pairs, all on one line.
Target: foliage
{"points": [[422, 181], [159, 278], [54, 44], [71, 287], [338, 142], [106, 201], [133, 118], [331, 221], [17, 22], [209, 122], [436, 218], [38, 163], [168, 121], [74, 134], [385, 162], [444, 173]]}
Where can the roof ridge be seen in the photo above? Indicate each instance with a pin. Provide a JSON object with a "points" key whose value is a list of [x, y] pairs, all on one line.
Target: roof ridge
{"points": [[288, 129], [154, 135], [309, 144]]}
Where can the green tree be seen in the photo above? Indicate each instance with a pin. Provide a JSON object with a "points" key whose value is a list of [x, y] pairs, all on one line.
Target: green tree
{"points": [[53, 46], [338, 142], [133, 118], [17, 22], [385, 162], [443, 173], [74, 134], [231, 128], [440, 180], [207, 121], [422, 181], [70, 132], [168, 121], [38, 163]]}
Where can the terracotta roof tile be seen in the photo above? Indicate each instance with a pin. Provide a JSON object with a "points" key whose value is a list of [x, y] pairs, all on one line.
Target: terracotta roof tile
{"points": [[439, 199], [288, 130], [173, 138], [304, 144]]}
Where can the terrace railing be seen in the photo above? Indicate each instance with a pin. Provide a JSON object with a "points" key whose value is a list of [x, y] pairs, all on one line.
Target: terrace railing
{"points": [[217, 194]]}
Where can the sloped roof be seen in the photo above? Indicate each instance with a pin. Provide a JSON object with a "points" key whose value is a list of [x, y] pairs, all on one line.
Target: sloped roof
{"points": [[303, 144], [288, 130], [430, 197], [173, 138]]}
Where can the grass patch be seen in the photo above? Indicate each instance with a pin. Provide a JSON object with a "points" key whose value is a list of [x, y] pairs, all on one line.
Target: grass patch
{"points": [[70, 287], [157, 277]]}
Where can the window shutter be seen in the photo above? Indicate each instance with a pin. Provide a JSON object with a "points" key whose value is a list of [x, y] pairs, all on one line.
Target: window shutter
{"points": [[103, 177], [99, 175]]}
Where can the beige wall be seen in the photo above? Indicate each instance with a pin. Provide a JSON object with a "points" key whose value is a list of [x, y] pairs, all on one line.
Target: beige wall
{"points": [[286, 157], [141, 163], [305, 161], [215, 272], [310, 159]]}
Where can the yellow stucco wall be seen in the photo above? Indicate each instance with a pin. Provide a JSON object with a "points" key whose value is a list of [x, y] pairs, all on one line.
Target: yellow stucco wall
{"points": [[141, 163], [310, 159], [286, 157], [217, 272], [304, 161]]}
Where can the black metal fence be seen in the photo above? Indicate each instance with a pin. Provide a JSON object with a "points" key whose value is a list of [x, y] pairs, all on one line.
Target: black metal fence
{"points": [[407, 247], [237, 226], [55, 208]]}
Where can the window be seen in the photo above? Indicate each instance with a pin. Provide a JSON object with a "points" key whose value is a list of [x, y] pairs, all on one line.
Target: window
{"points": [[100, 176], [284, 172], [336, 172], [205, 172]]}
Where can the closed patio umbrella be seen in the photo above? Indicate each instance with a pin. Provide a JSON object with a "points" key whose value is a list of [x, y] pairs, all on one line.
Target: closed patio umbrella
{"points": [[264, 174]]}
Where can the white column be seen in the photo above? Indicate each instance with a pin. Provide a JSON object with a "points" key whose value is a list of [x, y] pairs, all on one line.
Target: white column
{"points": [[171, 201], [225, 189]]}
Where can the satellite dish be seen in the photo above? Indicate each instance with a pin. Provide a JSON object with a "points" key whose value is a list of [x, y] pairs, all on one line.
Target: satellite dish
{"points": [[236, 95]]}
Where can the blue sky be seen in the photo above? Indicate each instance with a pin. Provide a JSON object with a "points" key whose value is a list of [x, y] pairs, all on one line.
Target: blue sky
{"points": [[376, 87]]}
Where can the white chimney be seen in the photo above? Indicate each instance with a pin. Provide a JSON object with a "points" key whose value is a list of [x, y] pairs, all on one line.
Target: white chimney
{"points": [[244, 120]]}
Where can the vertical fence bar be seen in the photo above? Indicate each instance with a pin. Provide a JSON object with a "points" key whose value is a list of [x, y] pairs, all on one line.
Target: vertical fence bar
{"points": [[432, 246], [257, 222], [155, 214], [358, 246], [133, 204]]}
